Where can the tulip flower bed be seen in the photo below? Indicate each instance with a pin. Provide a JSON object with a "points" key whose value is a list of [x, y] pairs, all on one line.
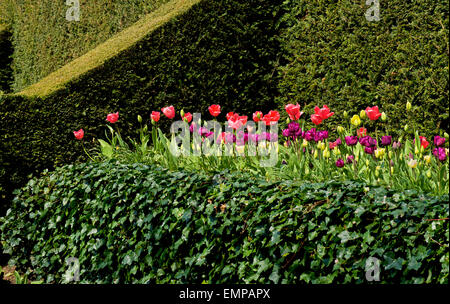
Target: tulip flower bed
{"points": [[145, 224], [303, 152]]}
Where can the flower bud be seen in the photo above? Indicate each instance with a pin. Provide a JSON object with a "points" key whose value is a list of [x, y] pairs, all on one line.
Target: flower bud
{"points": [[429, 173], [340, 129], [446, 135], [145, 128], [383, 116], [392, 170], [182, 113], [288, 121], [362, 114], [316, 154], [139, 118], [406, 128], [408, 106], [345, 114]]}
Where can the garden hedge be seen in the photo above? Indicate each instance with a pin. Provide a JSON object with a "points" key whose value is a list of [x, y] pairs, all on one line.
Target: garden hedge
{"points": [[44, 40], [6, 52], [143, 224], [217, 52], [336, 57]]}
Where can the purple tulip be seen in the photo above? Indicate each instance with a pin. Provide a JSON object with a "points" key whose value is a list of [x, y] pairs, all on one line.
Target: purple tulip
{"points": [[439, 141], [370, 150], [192, 127], [440, 153], [340, 163], [286, 133], [351, 140], [350, 159], [396, 145], [386, 140]]}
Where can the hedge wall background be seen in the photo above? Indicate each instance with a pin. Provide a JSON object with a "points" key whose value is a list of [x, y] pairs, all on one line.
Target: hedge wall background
{"points": [[141, 224], [44, 40], [6, 52], [336, 57], [221, 52]]}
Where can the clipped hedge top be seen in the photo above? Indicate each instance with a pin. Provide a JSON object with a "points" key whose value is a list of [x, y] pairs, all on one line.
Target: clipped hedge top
{"points": [[136, 223], [110, 48]]}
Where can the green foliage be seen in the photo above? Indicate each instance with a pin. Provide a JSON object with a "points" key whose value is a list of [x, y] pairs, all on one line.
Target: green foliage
{"points": [[336, 57], [44, 40], [6, 51], [218, 52], [144, 224]]}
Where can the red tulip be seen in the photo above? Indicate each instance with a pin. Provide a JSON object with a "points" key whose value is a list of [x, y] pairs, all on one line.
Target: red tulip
{"points": [[155, 116], [113, 117], [361, 132], [373, 113], [169, 112], [187, 117], [214, 110], [316, 119], [323, 112], [79, 134], [229, 115], [424, 142], [257, 116], [293, 111]]}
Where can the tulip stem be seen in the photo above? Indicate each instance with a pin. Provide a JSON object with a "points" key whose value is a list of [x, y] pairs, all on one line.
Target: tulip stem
{"points": [[84, 149]]}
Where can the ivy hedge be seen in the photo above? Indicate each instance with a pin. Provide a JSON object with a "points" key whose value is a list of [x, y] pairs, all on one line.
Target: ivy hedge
{"points": [[221, 52], [144, 224], [335, 56], [6, 52]]}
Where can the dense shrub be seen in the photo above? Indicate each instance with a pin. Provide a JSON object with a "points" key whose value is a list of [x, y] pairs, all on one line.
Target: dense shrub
{"points": [[136, 223], [218, 52], [336, 57], [6, 51], [44, 40]]}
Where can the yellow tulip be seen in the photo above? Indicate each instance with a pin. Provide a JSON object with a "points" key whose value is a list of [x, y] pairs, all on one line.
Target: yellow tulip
{"points": [[305, 143], [356, 121], [429, 173], [340, 129], [316, 154], [326, 153], [367, 162], [412, 163], [379, 153], [427, 159], [336, 151], [392, 170], [362, 114], [321, 145]]}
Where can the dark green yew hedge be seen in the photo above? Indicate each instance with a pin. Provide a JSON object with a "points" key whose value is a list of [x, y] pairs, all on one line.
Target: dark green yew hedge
{"points": [[336, 57], [135, 223], [219, 52], [6, 51]]}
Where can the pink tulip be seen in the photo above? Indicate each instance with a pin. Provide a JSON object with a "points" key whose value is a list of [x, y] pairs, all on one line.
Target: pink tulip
{"points": [[169, 112], [113, 117], [79, 134]]}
